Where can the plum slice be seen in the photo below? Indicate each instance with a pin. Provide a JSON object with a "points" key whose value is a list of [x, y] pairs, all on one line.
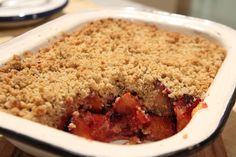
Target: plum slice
{"points": [[183, 108]]}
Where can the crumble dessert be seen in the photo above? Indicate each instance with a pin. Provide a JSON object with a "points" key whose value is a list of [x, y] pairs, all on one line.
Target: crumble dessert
{"points": [[112, 79]]}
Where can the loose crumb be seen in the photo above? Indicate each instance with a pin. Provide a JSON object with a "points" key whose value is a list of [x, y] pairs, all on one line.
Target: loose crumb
{"points": [[185, 136]]}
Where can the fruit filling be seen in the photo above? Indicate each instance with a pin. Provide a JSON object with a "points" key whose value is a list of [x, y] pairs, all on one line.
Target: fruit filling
{"points": [[125, 117]]}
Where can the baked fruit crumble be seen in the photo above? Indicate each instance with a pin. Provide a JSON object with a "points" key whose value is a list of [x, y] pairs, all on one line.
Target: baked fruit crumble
{"points": [[112, 80]]}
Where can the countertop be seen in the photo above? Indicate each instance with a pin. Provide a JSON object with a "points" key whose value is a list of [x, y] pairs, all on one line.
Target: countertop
{"points": [[225, 144]]}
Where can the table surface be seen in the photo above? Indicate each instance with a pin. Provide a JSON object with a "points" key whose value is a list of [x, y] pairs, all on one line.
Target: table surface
{"points": [[217, 149]]}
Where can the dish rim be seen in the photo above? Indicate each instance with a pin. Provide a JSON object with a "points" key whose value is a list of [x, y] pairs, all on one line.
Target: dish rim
{"points": [[58, 150]]}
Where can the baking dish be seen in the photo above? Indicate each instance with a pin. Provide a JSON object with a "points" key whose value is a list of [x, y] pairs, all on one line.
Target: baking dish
{"points": [[41, 140]]}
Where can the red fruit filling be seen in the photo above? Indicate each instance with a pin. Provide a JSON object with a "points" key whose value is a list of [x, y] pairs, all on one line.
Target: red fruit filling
{"points": [[183, 110], [125, 118]]}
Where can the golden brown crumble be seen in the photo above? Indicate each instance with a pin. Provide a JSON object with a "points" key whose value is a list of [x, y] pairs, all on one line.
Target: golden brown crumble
{"points": [[110, 57]]}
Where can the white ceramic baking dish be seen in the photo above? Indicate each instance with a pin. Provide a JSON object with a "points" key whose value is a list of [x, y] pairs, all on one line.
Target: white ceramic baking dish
{"points": [[41, 140]]}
